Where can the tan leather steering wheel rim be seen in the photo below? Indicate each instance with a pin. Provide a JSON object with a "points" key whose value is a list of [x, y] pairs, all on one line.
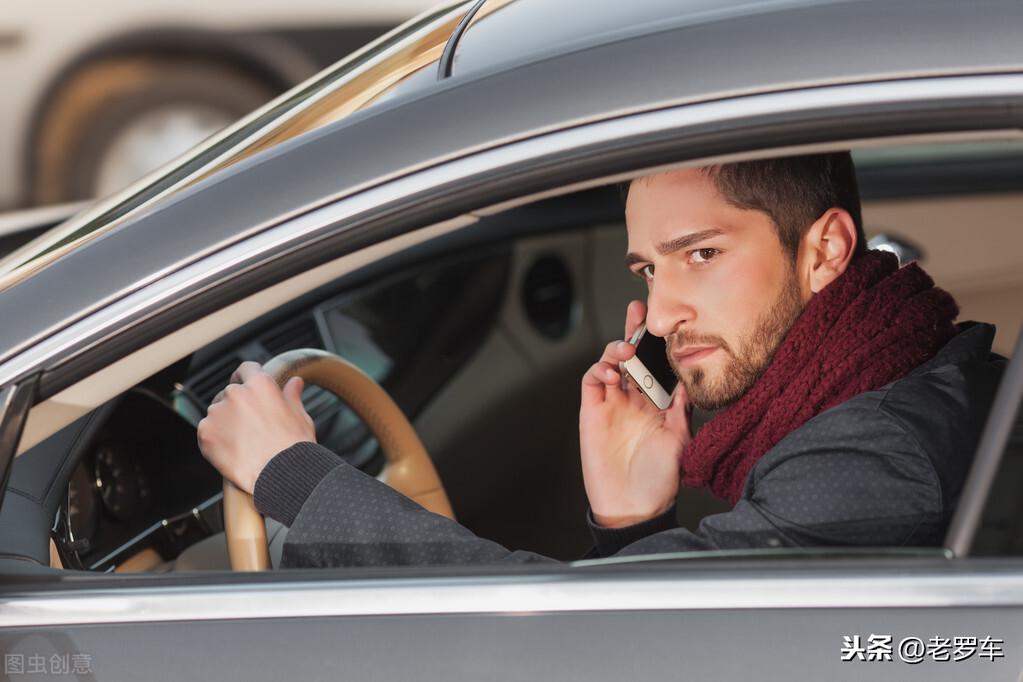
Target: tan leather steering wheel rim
{"points": [[408, 468]]}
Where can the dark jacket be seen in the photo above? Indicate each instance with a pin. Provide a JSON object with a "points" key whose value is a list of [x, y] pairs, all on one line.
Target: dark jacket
{"points": [[884, 468]]}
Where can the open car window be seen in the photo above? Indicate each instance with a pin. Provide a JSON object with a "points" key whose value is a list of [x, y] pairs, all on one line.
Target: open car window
{"points": [[481, 337], [941, 169]]}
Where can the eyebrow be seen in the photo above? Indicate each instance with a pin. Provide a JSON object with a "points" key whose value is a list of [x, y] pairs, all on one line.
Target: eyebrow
{"points": [[677, 244]]}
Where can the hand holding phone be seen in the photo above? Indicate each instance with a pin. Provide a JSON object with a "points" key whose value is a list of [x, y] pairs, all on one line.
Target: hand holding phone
{"points": [[629, 445], [649, 368]]}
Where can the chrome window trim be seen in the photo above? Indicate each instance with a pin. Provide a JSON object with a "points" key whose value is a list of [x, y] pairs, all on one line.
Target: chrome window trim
{"points": [[134, 303], [510, 595], [6, 398], [359, 62], [23, 220]]}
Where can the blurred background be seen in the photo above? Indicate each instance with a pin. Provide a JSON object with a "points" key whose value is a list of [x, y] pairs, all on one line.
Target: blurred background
{"points": [[98, 95]]}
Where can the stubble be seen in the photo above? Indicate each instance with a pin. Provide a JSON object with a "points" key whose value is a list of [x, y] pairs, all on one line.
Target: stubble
{"points": [[746, 365]]}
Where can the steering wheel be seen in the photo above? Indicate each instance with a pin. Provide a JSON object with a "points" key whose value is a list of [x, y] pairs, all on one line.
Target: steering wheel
{"points": [[408, 468]]}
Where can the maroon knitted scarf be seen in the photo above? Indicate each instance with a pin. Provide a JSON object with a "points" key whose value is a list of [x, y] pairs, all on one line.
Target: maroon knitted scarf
{"points": [[869, 327]]}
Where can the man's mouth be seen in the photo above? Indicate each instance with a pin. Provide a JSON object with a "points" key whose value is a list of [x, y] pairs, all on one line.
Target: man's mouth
{"points": [[692, 355]]}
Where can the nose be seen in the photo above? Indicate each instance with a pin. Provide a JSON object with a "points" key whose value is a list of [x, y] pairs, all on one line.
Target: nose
{"points": [[667, 308]]}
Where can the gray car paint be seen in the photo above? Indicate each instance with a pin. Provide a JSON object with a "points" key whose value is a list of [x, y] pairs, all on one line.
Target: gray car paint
{"points": [[612, 76], [784, 646], [716, 643], [888, 108], [605, 640]]}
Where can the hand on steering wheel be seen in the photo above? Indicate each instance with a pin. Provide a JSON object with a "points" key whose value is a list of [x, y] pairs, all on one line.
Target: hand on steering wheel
{"points": [[408, 467]]}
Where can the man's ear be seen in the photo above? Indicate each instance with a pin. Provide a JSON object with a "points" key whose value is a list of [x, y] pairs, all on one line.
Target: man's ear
{"points": [[825, 250]]}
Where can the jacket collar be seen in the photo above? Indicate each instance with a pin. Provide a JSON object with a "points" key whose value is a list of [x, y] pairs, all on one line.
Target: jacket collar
{"points": [[972, 343]]}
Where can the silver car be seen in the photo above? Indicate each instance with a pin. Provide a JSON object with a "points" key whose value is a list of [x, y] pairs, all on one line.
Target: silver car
{"points": [[441, 209]]}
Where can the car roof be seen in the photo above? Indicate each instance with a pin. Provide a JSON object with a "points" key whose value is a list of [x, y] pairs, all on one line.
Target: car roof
{"points": [[518, 70], [524, 31], [757, 40]]}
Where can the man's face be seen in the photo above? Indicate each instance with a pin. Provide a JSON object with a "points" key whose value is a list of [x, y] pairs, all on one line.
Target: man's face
{"points": [[722, 291]]}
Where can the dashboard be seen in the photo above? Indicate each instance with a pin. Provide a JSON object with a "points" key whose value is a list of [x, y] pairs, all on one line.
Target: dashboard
{"points": [[142, 484]]}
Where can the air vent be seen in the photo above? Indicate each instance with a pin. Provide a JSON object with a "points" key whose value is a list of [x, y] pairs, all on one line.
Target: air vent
{"points": [[548, 297], [319, 403], [303, 333], [213, 378], [300, 333]]}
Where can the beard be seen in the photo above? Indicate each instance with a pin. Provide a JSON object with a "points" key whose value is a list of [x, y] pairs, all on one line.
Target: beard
{"points": [[744, 365]]}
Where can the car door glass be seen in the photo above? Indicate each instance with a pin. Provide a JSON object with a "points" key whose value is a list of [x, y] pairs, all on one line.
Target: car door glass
{"points": [[1000, 532], [410, 332]]}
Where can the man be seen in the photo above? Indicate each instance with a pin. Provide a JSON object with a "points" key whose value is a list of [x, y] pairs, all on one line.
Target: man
{"points": [[850, 403]]}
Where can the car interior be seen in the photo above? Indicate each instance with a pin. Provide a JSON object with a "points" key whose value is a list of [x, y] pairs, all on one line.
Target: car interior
{"points": [[480, 331]]}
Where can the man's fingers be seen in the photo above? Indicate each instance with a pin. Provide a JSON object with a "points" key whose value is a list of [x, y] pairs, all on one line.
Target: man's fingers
{"points": [[680, 397], [246, 372], [592, 393], [636, 394], [293, 393], [617, 351], [634, 316], [638, 399], [601, 382], [602, 374], [606, 377], [244, 369], [677, 417]]}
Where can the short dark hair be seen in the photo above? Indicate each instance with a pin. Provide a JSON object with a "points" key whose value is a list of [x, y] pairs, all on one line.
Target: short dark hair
{"points": [[793, 191]]}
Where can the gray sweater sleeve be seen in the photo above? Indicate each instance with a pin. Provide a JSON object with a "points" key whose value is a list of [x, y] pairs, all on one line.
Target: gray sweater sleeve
{"points": [[339, 516], [821, 486], [827, 484]]}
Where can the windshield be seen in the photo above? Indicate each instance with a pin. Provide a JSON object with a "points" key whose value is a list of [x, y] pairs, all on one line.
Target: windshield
{"points": [[353, 84]]}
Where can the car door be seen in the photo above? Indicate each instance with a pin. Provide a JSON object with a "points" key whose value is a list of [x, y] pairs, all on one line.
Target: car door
{"points": [[769, 614], [779, 614]]}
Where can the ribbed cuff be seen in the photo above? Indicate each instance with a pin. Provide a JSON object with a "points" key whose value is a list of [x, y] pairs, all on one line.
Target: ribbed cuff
{"points": [[288, 480], [610, 540]]}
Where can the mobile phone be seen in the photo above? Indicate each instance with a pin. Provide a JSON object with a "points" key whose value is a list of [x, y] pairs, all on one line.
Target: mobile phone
{"points": [[649, 368]]}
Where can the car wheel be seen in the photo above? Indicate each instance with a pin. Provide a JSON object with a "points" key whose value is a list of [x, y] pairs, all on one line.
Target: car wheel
{"points": [[118, 120]]}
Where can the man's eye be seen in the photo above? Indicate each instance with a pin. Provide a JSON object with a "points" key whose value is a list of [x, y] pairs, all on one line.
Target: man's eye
{"points": [[647, 272], [703, 255]]}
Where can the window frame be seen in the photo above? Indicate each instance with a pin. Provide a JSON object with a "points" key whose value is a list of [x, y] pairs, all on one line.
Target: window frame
{"points": [[514, 174]]}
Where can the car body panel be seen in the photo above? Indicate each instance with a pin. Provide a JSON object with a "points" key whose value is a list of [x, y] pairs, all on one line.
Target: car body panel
{"points": [[733, 44], [463, 115], [983, 99], [783, 646], [453, 149], [491, 108], [718, 621]]}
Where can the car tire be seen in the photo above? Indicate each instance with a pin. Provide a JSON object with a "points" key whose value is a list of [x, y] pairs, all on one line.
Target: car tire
{"points": [[90, 115]]}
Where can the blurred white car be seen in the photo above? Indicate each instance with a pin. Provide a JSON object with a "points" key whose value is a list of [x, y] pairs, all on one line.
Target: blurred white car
{"points": [[98, 95]]}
